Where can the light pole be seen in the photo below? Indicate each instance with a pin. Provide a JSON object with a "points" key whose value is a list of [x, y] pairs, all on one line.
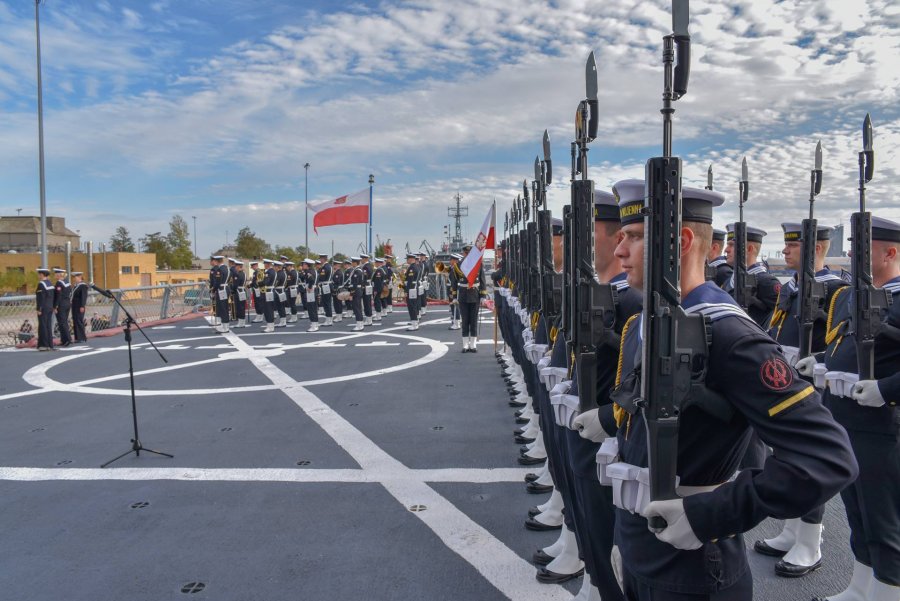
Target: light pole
{"points": [[306, 206], [194, 217], [371, 186], [40, 99]]}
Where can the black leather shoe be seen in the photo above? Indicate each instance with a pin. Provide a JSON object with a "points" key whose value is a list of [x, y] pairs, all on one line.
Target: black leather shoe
{"points": [[529, 460], [539, 558], [523, 449], [533, 524], [538, 489], [531, 477], [533, 511], [473, 350], [513, 403], [789, 570], [763, 548], [522, 420], [523, 439], [547, 577]]}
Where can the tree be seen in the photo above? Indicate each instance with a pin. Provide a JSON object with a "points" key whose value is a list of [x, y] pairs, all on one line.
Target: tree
{"points": [[121, 241], [288, 252], [339, 257], [249, 245], [379, 250], [179, 244], [157, 244]]}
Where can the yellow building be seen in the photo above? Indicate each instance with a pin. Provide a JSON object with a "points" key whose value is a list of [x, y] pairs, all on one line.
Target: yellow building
{"points": [[110, 269]]}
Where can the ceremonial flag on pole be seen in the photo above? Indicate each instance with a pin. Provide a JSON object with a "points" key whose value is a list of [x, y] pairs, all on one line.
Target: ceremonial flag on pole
{"points": [[485, 241], [353, 208]]}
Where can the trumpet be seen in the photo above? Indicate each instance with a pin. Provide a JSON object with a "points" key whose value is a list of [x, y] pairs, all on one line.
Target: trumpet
{"points": [[439, 267]]}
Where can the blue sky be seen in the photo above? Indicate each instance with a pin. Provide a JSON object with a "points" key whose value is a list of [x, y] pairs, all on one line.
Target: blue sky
{"points": [[211, 108]]}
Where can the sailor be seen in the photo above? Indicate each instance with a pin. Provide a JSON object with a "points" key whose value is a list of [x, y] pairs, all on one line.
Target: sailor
{"points": [[455, 274], [470, 295], [79, 304], [410, 281], [379, 283], [326, 284], [718, 268], [62, 305], [281, 295], [292, 287], [355, 283], [239, 294], [367, 271], [800, 541], [44, 294], [232, 304], [308, 289], [388, 303], [423, 282], [750, 384], [255, 276], [348, 304], [868, 409], [267, 293], [218, 285], [767, 285], [337, 284]]}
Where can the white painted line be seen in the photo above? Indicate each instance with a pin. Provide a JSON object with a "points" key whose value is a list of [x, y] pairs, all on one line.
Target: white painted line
{"points": [[163, 328], [378, 343]]}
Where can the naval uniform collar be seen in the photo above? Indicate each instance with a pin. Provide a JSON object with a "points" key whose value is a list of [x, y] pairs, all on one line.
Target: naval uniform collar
{"points": [[706, 293], [721, 260]]}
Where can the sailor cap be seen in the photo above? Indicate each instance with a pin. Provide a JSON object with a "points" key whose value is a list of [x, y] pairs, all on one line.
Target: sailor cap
{"points": [[885, 229], [410, 256], [719, 235], [74, 273], [58, 270], [217, 257], [379, 259], [363, 256], [754, 234], [556, 224], [237, 262], [466, 246], [697, 203], [605, 207], [278, 263], [289, 263], [347, 262], [456, 256], [309, 262], [323, 255], [793, 232], [283, 258], [355, 259], [231, 260], [43, 270], [388, 256], [629, 194], [269, 261]]}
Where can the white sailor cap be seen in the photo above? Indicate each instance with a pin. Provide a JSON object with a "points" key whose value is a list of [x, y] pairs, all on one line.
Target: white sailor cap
{"points": [[388, 256], [605, 207], [231, 260], [43, 270], [58, 270], [289, 263], [269, 261], [309, 262], [74, 273], [284, 257], [793, 231], [754, 234], [237, 262], [456, 256], [217, 257], [346, 262], [379, 259], [355, 259], [885, 229], [363, 255], [277, 263], [410, 255]]}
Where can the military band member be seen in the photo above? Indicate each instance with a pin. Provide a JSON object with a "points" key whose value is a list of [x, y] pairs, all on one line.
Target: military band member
{"points": [[326, 288], [799, 543], [423, 283], [389, 270], [454, 275], [719, 270], [355, 282], [239, 294], [219, 277], [44, 296], [292, 288], [868, 409], [281, 294], [255, 276], [232, 305], [767, 285], [62, 305], [470, 296], [79, 305], [700, 551], [268, 296], [337, 284], [348, 304], [309, 287], [411, 283], [378, 286], [367, 271]]}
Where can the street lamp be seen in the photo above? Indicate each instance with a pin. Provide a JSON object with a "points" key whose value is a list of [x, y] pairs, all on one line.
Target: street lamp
{"points": [[40, 99], [306, 205], [194, 217]]}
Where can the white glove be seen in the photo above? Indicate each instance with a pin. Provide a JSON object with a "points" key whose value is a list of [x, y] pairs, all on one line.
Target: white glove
{"points": [[615, 558], [806, 365], [867, 394], [588, 426], [678, 533]]}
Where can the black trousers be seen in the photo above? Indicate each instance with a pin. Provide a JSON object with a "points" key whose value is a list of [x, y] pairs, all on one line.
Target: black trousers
{"points": [[222, 309], [376, 300], [240, 308], [412, 305], [280, 305], [292, 302], [257, 302], [423, 298], [635, 590], [367, 304], [45, 328], [312, 311], [268, 308], [62, 319], [338, 304], [469, 314], [327, 304], [358, 306], [78, 324]]}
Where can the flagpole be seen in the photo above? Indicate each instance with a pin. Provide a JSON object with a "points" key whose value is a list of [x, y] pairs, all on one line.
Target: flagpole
{"points": [[371, 186], [494, 224]]}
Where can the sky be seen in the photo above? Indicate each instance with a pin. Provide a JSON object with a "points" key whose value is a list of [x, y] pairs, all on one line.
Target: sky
{"points": [[210, 108]]}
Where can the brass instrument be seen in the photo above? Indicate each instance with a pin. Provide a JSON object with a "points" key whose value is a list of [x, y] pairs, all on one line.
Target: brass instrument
{"points": [[439, 267]]}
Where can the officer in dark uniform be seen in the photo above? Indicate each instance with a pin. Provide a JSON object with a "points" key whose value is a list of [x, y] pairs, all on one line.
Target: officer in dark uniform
{"points": [[62, 305], [378, 284], [308, 288], [79, 304], [718, 269], [232, 305], [701, 550], [470, 296], [218, 288], [411, 283], [454, 275], [326, 288], [337, 284], [355, 282], [367, 271], [281, 294], [255, 276], [423, 283], [267, 294], [239, 293], [292, 288], [44, 295], [389, 282], [869, 411], [799, 543], [767, 285]]}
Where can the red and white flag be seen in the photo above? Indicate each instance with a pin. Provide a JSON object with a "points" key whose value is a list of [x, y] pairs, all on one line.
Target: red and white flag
{"points": [[485, 241], [353, 208]]}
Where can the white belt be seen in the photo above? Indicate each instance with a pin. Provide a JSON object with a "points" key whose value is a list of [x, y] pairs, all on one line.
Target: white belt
{"points": [[631, 486], [473, 286], [841, 382]]}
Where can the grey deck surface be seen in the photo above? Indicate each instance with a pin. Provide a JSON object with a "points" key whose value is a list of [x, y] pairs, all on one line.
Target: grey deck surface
{"points": [[233, 510]]}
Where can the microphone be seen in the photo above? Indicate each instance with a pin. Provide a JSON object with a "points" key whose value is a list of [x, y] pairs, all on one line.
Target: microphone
{"points": [[105, 293]]}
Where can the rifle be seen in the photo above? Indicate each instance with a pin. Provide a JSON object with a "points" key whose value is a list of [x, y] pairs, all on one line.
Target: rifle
{"points": [[744, 283], [550, 288], [534, 281], [869, 301], [812, 293], [673, 340]]}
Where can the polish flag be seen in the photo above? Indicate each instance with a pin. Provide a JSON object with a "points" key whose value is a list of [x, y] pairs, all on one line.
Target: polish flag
{"points": [[485, 241], [353, 208]]}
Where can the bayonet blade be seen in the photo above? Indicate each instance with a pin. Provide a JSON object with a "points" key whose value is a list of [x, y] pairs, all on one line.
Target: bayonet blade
{"points": [[546, 146], [819, 156], [745, 175], [590, 77], [867, 134], [709, 177], [681, 17]]}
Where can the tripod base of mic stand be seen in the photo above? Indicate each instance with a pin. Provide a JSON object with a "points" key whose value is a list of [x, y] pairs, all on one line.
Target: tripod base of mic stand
{"points": [[136, 448]]}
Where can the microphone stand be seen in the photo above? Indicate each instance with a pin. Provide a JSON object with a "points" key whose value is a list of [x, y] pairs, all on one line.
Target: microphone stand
{"points": [[136, 446]]}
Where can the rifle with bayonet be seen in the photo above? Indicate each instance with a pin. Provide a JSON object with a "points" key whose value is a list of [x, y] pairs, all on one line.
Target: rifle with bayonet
{"points": [[551, 288], [710, 270], [534, 290], [811, 292], [673, 340], [868, 301], [744, 283]]}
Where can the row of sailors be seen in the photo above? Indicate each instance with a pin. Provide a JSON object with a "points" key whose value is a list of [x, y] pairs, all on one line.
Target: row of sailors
{"points": [[58, 300], [782, 438]]}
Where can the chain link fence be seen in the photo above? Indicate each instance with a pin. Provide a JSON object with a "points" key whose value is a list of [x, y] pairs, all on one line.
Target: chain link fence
{"points": [[18, 317]]}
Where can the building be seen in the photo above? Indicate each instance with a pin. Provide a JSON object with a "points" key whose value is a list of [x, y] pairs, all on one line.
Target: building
{"points": [[23, 234], [109, 270]]}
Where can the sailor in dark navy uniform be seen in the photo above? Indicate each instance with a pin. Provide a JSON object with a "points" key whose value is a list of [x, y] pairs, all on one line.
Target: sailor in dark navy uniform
{"points": [[239, 293], [309, 286], [799, 543], [717, 267], [232, 304], [326, 289], [765, 297], [219, 277], [281, 301], [292, 287], [267, 294], [869, 410], [454, 275], [44, 294], [389, 272], [701, 550], [355, 282], [255, 275], [470, 296], [410, 278], [367, 271], [337, 285], [62, 305], [79, 306], [379, 279]]}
